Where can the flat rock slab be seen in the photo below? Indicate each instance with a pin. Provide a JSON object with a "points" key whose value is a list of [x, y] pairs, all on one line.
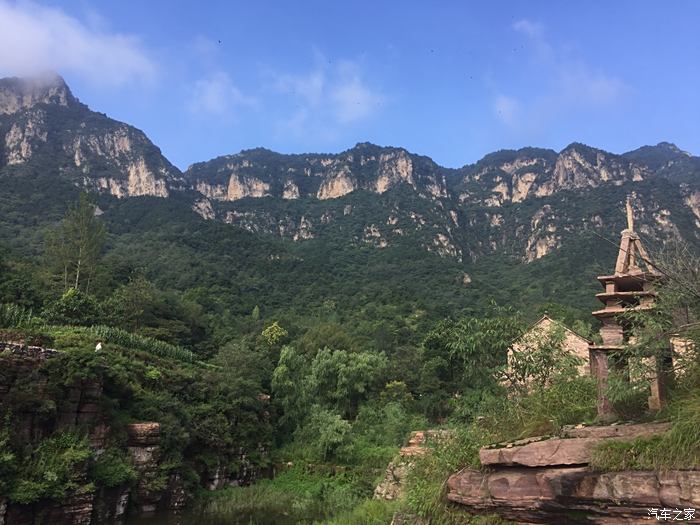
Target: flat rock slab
{"points": [[630, 431], [555, 451], [574, 495], [573, 449]]}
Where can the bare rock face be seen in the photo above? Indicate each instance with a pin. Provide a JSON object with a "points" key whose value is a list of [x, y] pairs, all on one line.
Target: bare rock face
{"points": [[17, 94], [336, 185], [555, 451], [574, 448], [144, 450], [574, 495], [44, 126], [24, 137], [393, 169], [204, 209]]}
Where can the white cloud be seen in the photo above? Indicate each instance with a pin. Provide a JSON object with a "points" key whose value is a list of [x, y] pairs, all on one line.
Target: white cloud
{"points": [[529, 28], [217, 95], [583, 85], [352, 99], [506, 109], [566, 84], [327, 98], [35, 38]]}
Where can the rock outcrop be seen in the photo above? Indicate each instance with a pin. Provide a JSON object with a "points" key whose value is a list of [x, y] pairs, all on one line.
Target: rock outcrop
{"points": [[523, 203], [42, 125], [390, 487], [548, 480], [80, 406]]}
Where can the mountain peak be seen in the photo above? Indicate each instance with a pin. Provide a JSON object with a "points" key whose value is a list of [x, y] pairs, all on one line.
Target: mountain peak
{"points": [[22, 93]]}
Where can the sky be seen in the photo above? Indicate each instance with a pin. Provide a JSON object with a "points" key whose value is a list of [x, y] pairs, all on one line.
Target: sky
{"points": [[453, 80]]}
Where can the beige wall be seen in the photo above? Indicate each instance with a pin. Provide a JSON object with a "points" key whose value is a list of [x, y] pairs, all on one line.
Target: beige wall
{"points": [[573, 343]]}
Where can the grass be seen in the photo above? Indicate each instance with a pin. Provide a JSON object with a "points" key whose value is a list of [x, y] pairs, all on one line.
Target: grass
{"points": [[17, 317], [545, 411], [678, 449], [297, 495]]}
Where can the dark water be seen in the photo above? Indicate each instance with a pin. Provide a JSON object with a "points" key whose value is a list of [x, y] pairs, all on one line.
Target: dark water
{"points": [[194, 517]]}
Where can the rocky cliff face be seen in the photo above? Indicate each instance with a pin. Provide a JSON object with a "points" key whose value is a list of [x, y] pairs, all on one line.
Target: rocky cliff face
{"points": [[262, 173], [525, 203], [43, 126], [40, 410]]}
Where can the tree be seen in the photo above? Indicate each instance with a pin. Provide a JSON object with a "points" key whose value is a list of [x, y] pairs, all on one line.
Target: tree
{"points": [[538, 358], [462, 357], [274, 334], [324, 431], [131, 301], [75, 244], [73, 308]]}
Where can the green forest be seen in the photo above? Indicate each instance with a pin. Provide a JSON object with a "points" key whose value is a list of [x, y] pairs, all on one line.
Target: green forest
{"points": [[315, 358]]}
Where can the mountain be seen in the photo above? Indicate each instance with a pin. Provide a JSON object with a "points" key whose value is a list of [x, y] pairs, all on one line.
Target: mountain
{"points": [[444, 236], [45, 127], [522, 202]]}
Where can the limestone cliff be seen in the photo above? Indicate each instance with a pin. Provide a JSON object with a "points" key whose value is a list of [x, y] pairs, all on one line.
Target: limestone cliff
{"points": [[525, 203], [42, 125]]}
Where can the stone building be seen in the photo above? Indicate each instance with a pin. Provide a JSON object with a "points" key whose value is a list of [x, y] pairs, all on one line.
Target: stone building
{"points": [[573, 343]]}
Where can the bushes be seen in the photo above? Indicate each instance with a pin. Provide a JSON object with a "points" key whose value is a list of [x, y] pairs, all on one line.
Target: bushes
{"points": [[54, 469], [112, 469], [73, 308]]}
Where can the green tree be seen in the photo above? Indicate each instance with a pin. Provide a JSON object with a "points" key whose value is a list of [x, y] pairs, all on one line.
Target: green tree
{"points": [[538, 358], [73, 308], [131, 301], [274, 334], [342, 380], [75, 244], [290, 385], [325, 431], [463, 357]]}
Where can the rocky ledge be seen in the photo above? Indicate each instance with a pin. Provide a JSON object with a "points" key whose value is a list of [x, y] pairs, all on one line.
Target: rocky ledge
{"points": [[574, 495], [548, 480]]}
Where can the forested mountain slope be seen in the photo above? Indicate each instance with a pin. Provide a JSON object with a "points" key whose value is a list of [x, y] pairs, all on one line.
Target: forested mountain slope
{"points": [[369, 233]]}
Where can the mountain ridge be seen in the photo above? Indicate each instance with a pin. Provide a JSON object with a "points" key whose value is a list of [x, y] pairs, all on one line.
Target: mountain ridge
{"points": [[519, 201]]}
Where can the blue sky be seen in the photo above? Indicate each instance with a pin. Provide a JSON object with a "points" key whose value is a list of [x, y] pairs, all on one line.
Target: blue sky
{"points": [[451, 80]]}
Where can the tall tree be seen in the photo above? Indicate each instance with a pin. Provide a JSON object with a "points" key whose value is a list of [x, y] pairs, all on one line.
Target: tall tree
{"points": [[75, 244]]}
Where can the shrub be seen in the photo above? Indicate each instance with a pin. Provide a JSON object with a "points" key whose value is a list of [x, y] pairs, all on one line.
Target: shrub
{"points": [[112, 469], [73, 308], [54, 469]]}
